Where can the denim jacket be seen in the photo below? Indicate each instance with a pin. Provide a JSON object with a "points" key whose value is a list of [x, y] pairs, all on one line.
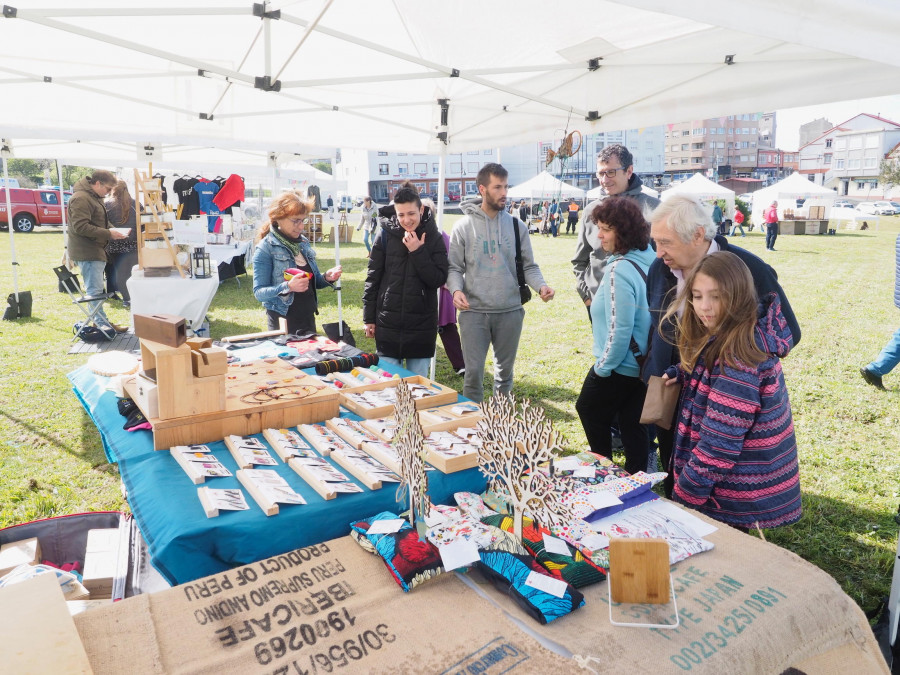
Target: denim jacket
{"points": [[270, 260]]}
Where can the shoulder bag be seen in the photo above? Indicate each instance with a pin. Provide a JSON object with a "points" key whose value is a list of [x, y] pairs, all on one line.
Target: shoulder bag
{"points": [[524, 291]]}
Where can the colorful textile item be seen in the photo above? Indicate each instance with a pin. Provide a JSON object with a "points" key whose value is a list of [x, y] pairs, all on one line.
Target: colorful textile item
{"points": [[495, 502], [574, 569], [508, 572], [410, 560], [473, 505], [456, 527], [631, 490]]}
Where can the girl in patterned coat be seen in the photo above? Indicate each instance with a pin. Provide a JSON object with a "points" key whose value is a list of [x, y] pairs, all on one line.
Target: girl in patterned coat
{"points": [[735, 454]]}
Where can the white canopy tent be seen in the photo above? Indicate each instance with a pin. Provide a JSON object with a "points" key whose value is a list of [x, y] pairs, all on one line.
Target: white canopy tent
{"points": [[705, 190], [787, 191], [545, 186]]}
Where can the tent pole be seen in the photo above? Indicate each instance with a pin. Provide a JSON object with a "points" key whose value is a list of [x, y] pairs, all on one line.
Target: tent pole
{"points": [[337, 251], [9, 223], [65, 220]]}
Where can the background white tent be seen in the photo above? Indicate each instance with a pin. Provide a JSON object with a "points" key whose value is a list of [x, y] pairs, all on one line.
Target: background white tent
{"points": [[277, 75], [545, 186], [705, 190], [787, 191]]}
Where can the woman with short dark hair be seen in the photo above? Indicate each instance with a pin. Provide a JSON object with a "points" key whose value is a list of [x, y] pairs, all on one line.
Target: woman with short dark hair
{"points": [[620, 320]]}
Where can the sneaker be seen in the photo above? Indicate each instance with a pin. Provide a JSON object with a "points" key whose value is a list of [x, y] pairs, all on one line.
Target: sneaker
{"points": [[872, 378], [461, 371]]}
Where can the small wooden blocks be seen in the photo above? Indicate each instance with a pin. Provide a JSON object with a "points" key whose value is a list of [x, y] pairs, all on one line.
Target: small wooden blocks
{"points": [[639, 570], [15, 553], [166, 329]]}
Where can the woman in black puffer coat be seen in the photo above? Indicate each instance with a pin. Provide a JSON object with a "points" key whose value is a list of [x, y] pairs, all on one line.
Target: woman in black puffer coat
{"points": [[407, 266]]}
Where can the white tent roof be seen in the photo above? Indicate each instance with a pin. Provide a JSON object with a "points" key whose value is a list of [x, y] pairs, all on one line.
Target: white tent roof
{"points": [[544, 185], [700, 186], [787, 191], [377, 75]]}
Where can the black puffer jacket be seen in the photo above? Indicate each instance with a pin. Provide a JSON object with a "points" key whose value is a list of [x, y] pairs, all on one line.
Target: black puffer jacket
{"points": [[400, 296]]}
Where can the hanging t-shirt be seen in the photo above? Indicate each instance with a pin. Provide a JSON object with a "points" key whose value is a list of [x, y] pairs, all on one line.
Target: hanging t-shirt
{"points": [[162, 185], [184, 188], [205, 191], [231, 193]]}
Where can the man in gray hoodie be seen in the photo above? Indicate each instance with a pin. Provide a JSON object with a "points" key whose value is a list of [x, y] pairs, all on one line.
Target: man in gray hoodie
{"points": [[615, 171], [484, 285]]}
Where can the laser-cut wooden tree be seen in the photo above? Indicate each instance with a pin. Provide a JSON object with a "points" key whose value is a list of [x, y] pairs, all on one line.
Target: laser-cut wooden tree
{"points": [[515, 441], [409, 442]]}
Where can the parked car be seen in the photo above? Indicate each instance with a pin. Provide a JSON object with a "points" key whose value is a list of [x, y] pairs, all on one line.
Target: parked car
{"points": [[747, 197], [880, 208], [844, 204], [896, 206], [31, 208], [451, 196]]}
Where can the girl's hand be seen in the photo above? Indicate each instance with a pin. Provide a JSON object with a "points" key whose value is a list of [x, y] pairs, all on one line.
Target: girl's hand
{"points": [[669, 381]]}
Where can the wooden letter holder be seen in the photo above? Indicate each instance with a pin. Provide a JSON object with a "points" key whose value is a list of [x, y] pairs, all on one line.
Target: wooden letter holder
{"points": [[639, 570], [179, 392]]}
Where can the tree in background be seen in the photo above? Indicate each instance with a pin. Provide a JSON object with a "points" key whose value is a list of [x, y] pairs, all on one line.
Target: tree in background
{"points": [[32, 173], [890, 174]]}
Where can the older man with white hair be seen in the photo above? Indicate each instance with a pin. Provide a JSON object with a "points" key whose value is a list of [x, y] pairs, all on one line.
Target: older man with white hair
{"points": [[683, 233]]}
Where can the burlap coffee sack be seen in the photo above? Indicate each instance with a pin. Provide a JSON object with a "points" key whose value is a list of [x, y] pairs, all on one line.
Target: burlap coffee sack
{"points": [[746, 607], [321, 609]]}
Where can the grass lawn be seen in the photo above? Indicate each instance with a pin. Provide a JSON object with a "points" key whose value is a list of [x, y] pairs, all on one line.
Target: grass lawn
{"points": [[52, 462]]}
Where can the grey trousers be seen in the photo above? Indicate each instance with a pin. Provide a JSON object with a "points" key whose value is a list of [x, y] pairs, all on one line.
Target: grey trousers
{"points": [[478, 331]]}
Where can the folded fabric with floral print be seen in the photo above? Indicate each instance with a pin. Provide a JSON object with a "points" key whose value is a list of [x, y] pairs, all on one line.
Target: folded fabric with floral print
{"points": [[410, 560]]}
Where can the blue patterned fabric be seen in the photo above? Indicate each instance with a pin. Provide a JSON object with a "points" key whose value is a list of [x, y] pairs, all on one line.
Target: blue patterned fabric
{"points": [[508, 572]]}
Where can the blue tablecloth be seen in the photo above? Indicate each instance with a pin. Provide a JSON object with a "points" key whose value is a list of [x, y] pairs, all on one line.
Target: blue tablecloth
{"points": [[184, 544]]}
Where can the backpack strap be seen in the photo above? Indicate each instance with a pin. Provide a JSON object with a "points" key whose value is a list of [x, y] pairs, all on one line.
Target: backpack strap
{"points": [[633, 346], [520, 271]]}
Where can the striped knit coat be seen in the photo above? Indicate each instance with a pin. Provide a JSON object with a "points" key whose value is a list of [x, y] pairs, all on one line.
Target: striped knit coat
{"points": [[735, 454]]}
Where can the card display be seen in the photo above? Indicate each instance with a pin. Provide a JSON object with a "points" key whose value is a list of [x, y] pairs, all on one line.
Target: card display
{"points": [[248, 451], [288, 443]]}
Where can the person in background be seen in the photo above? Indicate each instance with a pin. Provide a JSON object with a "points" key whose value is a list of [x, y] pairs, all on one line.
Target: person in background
{"points": [[484, 283], [121, 253], [407, 266], [735, 455], [281, 245], [737, 223], [368, 222], [770, 218], [572, 222], [554, 218], [523, 212], [621, 327], [447, 324], [718, 218], [330, 204], [684, 233], [889, 357], [615, 171], [89, 233]]}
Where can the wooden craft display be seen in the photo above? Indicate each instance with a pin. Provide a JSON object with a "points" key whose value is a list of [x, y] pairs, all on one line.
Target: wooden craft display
{"points": [[288, 443], [240, 414], [449, 453], [248, 452], [426, 393], [384, 453], [179, 392], [164, 329], [209, 506], [639, 570], [383, 427], [151, 227], [450, 417], [408, 444], [323, 439], [268, 489], [364, 476], [351, 431], [198, 463], [311, 470]]}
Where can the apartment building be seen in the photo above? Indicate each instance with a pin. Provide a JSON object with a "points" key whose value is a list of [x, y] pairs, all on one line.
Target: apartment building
{"points": [[722, 146]]}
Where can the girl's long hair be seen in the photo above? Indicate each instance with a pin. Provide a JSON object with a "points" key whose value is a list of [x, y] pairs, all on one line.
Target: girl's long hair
{"points": [[286, 205], [734, 333], [123, 201]]}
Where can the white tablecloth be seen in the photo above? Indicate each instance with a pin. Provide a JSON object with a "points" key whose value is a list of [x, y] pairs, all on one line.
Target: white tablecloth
{"points": [[187, 297], [223, 253]]}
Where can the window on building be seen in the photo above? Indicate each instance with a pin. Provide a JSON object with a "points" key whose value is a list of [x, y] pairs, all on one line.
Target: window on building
{"points": [[674, 147], [839, 164], [697, 146], [455, 168], [686, 132], [871, 162], [382, 154], [488, 152], [473, 167], [435, 168], [696, 160], [421, 167], [853, 163], [827, 142], [720, 145], [684, 160], [403, 169], [382, 169], [684, 146], [401, 154], [872, 140], [840, 143], [827, 159], [473, 152], [856, 142]]}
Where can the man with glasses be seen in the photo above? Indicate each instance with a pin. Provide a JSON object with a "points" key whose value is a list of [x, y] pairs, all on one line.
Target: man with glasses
{"points": [[615, 170], [89, 232]]}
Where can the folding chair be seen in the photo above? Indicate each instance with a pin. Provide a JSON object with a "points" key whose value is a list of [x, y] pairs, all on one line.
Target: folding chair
{"points": [[69, 281]]}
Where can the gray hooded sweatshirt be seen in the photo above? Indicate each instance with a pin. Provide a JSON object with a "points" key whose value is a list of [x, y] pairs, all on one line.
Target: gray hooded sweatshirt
{"points": [[483, 260]]}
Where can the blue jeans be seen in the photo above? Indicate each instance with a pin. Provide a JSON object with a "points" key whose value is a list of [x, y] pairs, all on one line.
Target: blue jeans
{"points": [[888, 358], [92, 273], [366, 235], [418, 366], [736, 226]]}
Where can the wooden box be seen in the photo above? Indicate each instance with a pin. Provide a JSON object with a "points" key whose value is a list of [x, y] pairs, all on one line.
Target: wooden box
{"points": [[157, 257], [165, 329], [442, 395], [209, 362], [145, 393], [816, 212], [451, 463], [240, 415], [101, 558], [15, 553], [179, 393], [444, 418]]}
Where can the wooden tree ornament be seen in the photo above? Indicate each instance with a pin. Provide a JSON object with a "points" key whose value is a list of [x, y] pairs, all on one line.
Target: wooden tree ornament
{"points": [[514, 443], [409, 442]]}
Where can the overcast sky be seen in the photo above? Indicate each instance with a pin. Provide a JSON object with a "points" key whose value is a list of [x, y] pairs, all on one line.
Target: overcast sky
{"points": [[790, 119]]}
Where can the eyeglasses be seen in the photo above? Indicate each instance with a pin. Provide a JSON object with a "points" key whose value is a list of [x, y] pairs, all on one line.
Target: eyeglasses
{"points": [[299, 221], [609, 173]]}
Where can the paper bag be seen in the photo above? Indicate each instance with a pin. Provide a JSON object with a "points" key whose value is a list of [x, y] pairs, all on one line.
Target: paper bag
{"points": [[660, 403]]}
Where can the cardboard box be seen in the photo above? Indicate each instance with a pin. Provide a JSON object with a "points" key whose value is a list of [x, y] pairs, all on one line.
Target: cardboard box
{"points": [[16, 553], [101, 562]]}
